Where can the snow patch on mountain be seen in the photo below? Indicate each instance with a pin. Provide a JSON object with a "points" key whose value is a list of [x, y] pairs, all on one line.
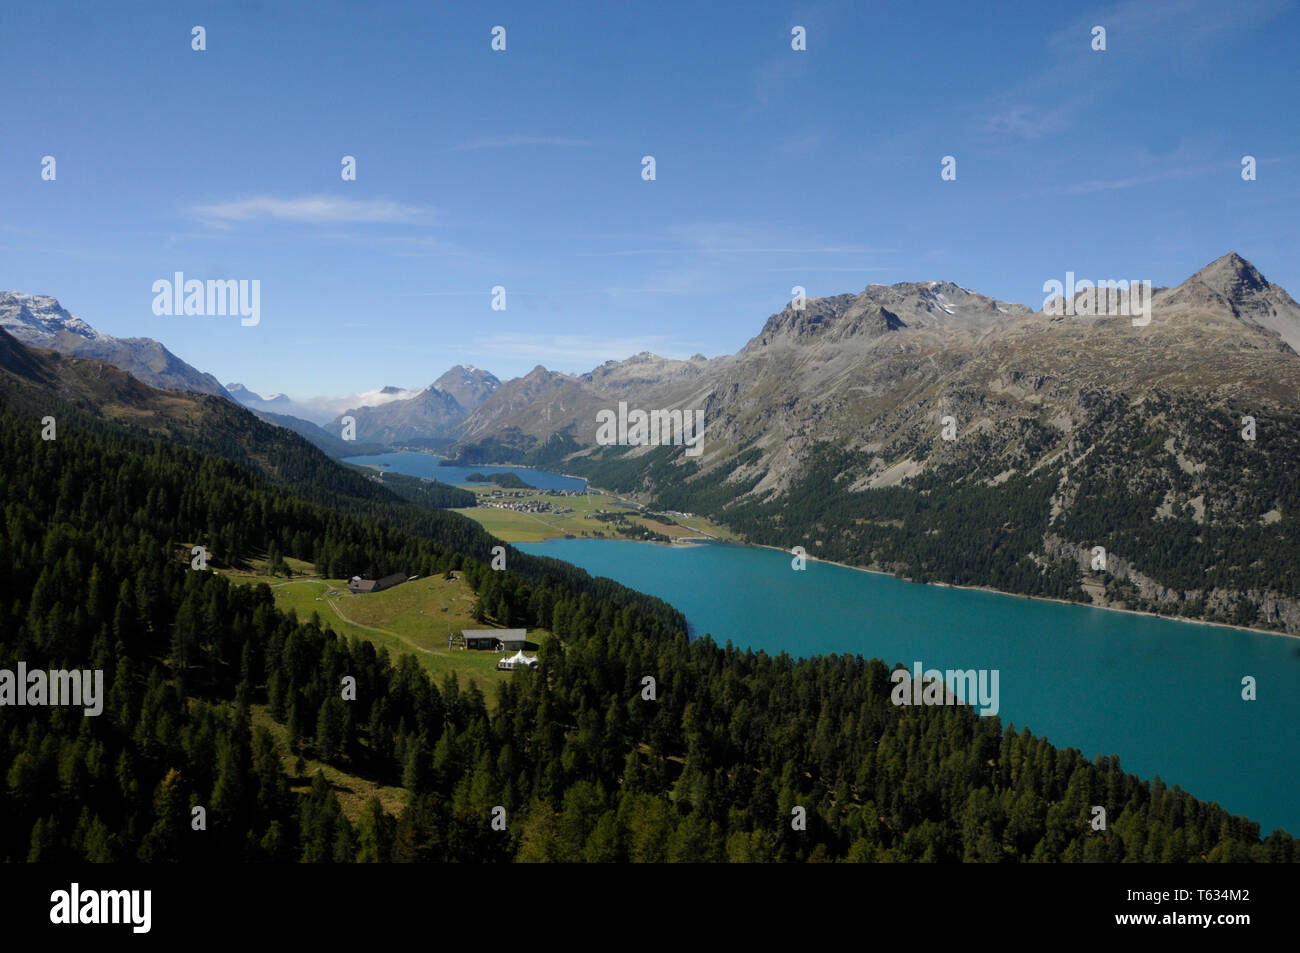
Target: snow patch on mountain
{"points": [[38, 319]]}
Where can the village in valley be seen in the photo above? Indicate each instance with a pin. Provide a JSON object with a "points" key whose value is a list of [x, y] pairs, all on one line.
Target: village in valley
{"points": [[532, 515], [528, 501]]}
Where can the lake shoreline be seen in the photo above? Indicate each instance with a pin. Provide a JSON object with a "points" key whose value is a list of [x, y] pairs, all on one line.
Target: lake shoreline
{"points": [[705, 538], [683, 541], [452, 465], [1021, 595], [515, 466]]}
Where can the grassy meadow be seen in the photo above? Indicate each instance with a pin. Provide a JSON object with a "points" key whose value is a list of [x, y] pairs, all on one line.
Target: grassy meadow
{"points": [[413, 618]]}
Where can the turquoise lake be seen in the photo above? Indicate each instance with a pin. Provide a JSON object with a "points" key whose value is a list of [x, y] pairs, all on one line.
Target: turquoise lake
{"points": [[427, 465], [1163, 695]]}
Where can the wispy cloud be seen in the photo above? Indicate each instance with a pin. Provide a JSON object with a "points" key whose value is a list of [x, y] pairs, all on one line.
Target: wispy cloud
{"points": [[778, 75], [708, 258], [1021, 122], [399, 246], [722, 238], [1140, 30], [1145, 169], [313, 210], [509, 141], [1176, 37], [1128, 182]]}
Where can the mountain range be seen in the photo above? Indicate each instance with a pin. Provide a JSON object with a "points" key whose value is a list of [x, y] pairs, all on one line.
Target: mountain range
{"points": [[1067, 433], [40, 320], [836, 368], [868, 368], [920, 428], [318, 410]]}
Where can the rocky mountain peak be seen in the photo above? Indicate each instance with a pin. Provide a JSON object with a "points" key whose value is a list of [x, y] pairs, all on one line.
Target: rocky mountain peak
{"points": [[1232, 276], [881, 309], [1231, 287], [38, 319], [828, 319], [469, 385]]}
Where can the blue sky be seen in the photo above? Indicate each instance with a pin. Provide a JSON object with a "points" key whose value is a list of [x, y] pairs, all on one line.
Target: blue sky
{"points": [[522, 168]]}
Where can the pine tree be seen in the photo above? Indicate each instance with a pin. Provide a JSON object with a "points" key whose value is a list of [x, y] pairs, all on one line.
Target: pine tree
{"points": [[375, 834], [171, 810]]}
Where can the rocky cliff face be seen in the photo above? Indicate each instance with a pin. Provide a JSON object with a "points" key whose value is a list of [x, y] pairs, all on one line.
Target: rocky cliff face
{"points": [[1266, 609]]}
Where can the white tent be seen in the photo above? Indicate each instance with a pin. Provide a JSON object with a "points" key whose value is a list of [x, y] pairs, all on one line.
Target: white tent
{"points": [[518, 660]]}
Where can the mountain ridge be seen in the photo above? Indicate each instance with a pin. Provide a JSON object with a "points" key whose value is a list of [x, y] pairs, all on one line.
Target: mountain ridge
{"points": [[936, 323], [829, 426], [41, 320]]}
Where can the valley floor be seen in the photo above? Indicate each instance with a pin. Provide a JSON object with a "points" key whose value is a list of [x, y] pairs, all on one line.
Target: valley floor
{"points": [[531, 516]]}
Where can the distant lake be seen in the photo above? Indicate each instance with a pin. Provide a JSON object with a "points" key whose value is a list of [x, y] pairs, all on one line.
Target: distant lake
{"points": [[426, 465], [1163, 695]]}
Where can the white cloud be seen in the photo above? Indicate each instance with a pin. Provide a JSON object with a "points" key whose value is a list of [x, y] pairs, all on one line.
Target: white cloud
{"points": [[313, 209]]}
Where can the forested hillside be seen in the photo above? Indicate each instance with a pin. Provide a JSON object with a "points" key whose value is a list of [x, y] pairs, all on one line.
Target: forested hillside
{"points": [[94, 573]]}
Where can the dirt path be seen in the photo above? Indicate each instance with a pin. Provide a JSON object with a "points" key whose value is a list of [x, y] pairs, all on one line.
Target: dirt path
{"points": [[369, 628]]}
